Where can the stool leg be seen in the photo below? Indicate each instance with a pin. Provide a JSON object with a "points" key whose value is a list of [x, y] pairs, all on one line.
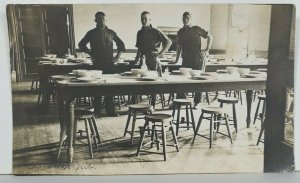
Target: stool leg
{"points": [[96, 129], [198, 126], [62, 138], [133, 126], [174, 136], [263, 112], [127, 123], [192, 116], [178, 120], [241, 97], [256, 112], [142, 138], [234, 117], [75, 131], [207, 97], [227, 126], [164, 141], [187, 117], [32, 83], [88, 138], [173, 112], [260, 133], [210, 131], [93, 133], [152, 135]]}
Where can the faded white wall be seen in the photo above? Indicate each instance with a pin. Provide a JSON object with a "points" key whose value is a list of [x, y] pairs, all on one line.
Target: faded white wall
{"points": [[219, 25], [225, 22], [124, 19], [249, 29]]}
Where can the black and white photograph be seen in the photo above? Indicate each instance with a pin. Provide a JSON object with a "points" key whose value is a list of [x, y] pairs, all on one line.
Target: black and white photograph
{"points": [[151, 88]]}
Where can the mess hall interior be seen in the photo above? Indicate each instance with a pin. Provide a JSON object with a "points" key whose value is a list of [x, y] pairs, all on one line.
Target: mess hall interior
{"points": [[116, 89]]}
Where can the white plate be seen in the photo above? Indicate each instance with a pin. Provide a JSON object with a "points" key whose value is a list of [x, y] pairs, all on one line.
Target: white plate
{"points": [[200, 78], [148, 78], [254, 72], [87, 79], [262, 70], [221, 71], [205, 74], [128, 73], [250, 76], [60, 77], [176, 72]]}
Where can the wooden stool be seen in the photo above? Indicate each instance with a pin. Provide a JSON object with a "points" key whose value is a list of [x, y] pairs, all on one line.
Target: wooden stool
{"points": [[162, 121], [230, 100], [91, 130], [236, 94], [137, 111], [160, 98], [177, 103], [215, 118], [260, 98]]}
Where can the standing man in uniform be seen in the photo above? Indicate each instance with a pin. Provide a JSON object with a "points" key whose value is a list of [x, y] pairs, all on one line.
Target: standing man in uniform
{"points": [[189, 45], [148, 43], [101, 41]]}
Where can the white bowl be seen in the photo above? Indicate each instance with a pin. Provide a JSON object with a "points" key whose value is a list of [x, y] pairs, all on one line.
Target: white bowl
{"points": [[135, 71], [231, 70], [243, 71], [97, 73], [149, 74], [85, 73], [50, 55], [54, 60], [62, 60], [185, 70], [195, 72]]}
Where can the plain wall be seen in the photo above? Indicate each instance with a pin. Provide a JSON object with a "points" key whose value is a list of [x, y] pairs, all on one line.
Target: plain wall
{"points": [[235, 28], [124, 19], [219, 25]]}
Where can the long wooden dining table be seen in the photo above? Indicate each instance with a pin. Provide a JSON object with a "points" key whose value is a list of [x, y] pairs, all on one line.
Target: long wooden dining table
{"points": [[46, 70], [115, 84]]}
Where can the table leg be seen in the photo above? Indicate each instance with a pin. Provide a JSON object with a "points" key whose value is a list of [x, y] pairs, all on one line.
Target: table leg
{"points": [[70, 119], [249, 95]]}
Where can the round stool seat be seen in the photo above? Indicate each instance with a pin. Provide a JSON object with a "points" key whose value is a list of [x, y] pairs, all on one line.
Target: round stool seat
{"points": [[228, 100], [158, 117], [84, 114], [212, 110], [182, 102], [261, 97], [140, 107], [83, 108]]}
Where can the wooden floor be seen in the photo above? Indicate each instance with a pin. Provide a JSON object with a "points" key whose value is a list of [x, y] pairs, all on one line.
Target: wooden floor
{"points": [[36, 136]]}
